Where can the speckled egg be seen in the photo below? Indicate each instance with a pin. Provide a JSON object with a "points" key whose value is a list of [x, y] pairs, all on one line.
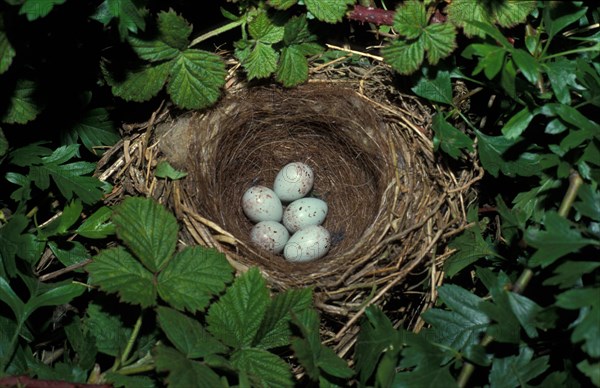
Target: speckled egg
{"points": [[270, 236], [304, 212], [310, 243], [293, 182], [262, 204]]}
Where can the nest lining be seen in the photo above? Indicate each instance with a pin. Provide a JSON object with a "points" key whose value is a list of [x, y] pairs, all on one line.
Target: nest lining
{"points": [[391, 203]]}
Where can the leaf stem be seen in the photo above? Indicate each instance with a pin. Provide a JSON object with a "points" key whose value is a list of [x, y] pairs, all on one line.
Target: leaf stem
{"points": [[595, 47], [136, 330], [575, 183], [218, 31]]}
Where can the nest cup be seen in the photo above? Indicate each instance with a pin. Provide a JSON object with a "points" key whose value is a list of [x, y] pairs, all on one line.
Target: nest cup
{"points": [[392, 205]]}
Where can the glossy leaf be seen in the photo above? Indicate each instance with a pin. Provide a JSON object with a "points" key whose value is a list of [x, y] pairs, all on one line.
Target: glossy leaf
{"points": [[517, 124], [438, 89], [97, 225]]}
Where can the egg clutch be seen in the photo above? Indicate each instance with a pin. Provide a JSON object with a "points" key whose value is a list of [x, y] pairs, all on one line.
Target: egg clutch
{"points": [[295, 231]]}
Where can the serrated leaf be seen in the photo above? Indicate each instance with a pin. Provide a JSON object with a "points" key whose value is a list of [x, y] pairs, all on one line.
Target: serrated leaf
{"points": [[148, 229], [275, 329], [70, 253], [330, 11], [491, 58], [308, 348], [95, 129], [515, 371], [404, 57], [559, 239], [128, 16], [333, 365], [235, 319], [174, 29], [110, 333], [569, 273], [261, 62], [292, 69], [152, 50], [410, 19], [165, 170], [589, 204], [116, 271], [527, 64], [451, 140], [462, 326], [590, 370], [376, 335], [438, 89], [263, 29], [439, 40], [82, 342], [22, 106], [425, 377], [264, 369], [11, 240], [121, 381], [193, 277], [35, 9], [282, 4], [140, 84], [296, 31], [184, 372], [187, 334], [512, 12], [587, 326], [196, 79], [7, 53], [471, 247], [97, 225]]}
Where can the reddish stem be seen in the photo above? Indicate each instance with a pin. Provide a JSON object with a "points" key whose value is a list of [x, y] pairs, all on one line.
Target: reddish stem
{"points": [[24, 381], [372, 15]]}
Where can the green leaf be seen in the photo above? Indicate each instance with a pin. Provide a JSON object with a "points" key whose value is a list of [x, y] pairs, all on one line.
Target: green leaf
{"points": [[525, 311], [491, 149], [35, 9], [7, 53], [292, 69], [330, 11], [110, 333], [589, 205], [262, 61], [11, 241], [68, 254], [121, 381], [115, 270], [308, 348], [462, 12], [196, 79], [264, 369], [557, 240], [282, 4], [508, 78], [529, 204], [376, 335], [404, 57], [410, 19], [275, 329], [512, 12], [236, 318], [193, 277], [527, 64], [333, 365], [165, 170], [587, 327], [130, 18], [439, 40], [517, 124], [152, 50], [140, 84], [515, 371], [187, 334], [470, 247], [148, 229], [462, 326], [572, 116], [174, 29], [263, 29], [569, 273], [438, 89], [449, 138], [95, 129], [69, 216], [554, 26], [425, 377], [22, 106], [491, 58], [8, 296], [82, 342], [561, 73], [590, 370], [97, 225], [184, 372], [296, 31]]}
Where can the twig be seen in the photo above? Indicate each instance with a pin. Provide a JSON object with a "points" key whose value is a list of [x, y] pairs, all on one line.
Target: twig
{"points": [[65, 270], [375, 57]]}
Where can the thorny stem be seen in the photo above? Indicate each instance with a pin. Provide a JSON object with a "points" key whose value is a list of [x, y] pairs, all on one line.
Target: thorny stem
{"points": [[575, 183]]}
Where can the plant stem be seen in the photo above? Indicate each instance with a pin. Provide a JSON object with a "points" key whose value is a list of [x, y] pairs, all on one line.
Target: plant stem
{"points": [[575, 183], [136, 330], [595, 47], [218, 31]]}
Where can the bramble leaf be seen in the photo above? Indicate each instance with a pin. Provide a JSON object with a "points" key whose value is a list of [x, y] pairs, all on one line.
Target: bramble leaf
{"points": [[263, 29], [110, 333], [470, 247], [82, 342], [451, 140], [308, 347], [282, 4], [262, 61], [330, 11], [187, 334], [130, 18], [236, 318], [7, 53], [438, 89], [152, 50], [439, 40], [94, 129], [184, 372], [410, 19], [463, 325], [22, 107], [512, 12], [196, 79], [557, 240], [403, 57], [193, 277], [116, 271], [514, 371], [264, 369], [292, 69], [35, 9], [140, 84], [148, 229], [174, 29]]}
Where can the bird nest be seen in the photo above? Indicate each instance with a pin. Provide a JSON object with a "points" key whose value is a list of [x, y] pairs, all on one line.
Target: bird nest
{"points": [[392, 202]]}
